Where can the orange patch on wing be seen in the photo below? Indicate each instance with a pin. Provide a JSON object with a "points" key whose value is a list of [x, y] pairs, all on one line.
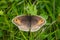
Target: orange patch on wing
{"points": [[40, 22], [17, 21]]}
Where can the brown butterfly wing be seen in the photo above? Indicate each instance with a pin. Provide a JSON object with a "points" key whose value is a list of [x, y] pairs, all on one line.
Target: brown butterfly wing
{"points": [[22, 22], [36, 23]]}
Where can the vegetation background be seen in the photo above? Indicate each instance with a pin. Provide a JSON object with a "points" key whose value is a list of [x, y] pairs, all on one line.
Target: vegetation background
{"points": [[48, 9]]}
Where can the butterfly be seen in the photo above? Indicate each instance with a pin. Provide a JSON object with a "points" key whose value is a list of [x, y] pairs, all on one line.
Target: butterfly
{"points": [[29, 23]]}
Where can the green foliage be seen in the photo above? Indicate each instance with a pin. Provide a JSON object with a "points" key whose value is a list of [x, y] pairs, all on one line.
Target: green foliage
{"points": [[1, 12], [48, 9], [1, 33], [31, 9]]}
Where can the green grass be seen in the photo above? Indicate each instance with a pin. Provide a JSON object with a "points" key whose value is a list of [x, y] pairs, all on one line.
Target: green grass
{"points": [[48, 9]]}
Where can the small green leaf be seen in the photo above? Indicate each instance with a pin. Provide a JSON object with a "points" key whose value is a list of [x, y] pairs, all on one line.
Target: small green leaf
{"points": [[1, 12]]}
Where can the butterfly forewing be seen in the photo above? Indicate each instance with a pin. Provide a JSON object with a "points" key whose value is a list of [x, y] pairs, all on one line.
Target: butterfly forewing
{"points": [[22, 22], [36, 23]]}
